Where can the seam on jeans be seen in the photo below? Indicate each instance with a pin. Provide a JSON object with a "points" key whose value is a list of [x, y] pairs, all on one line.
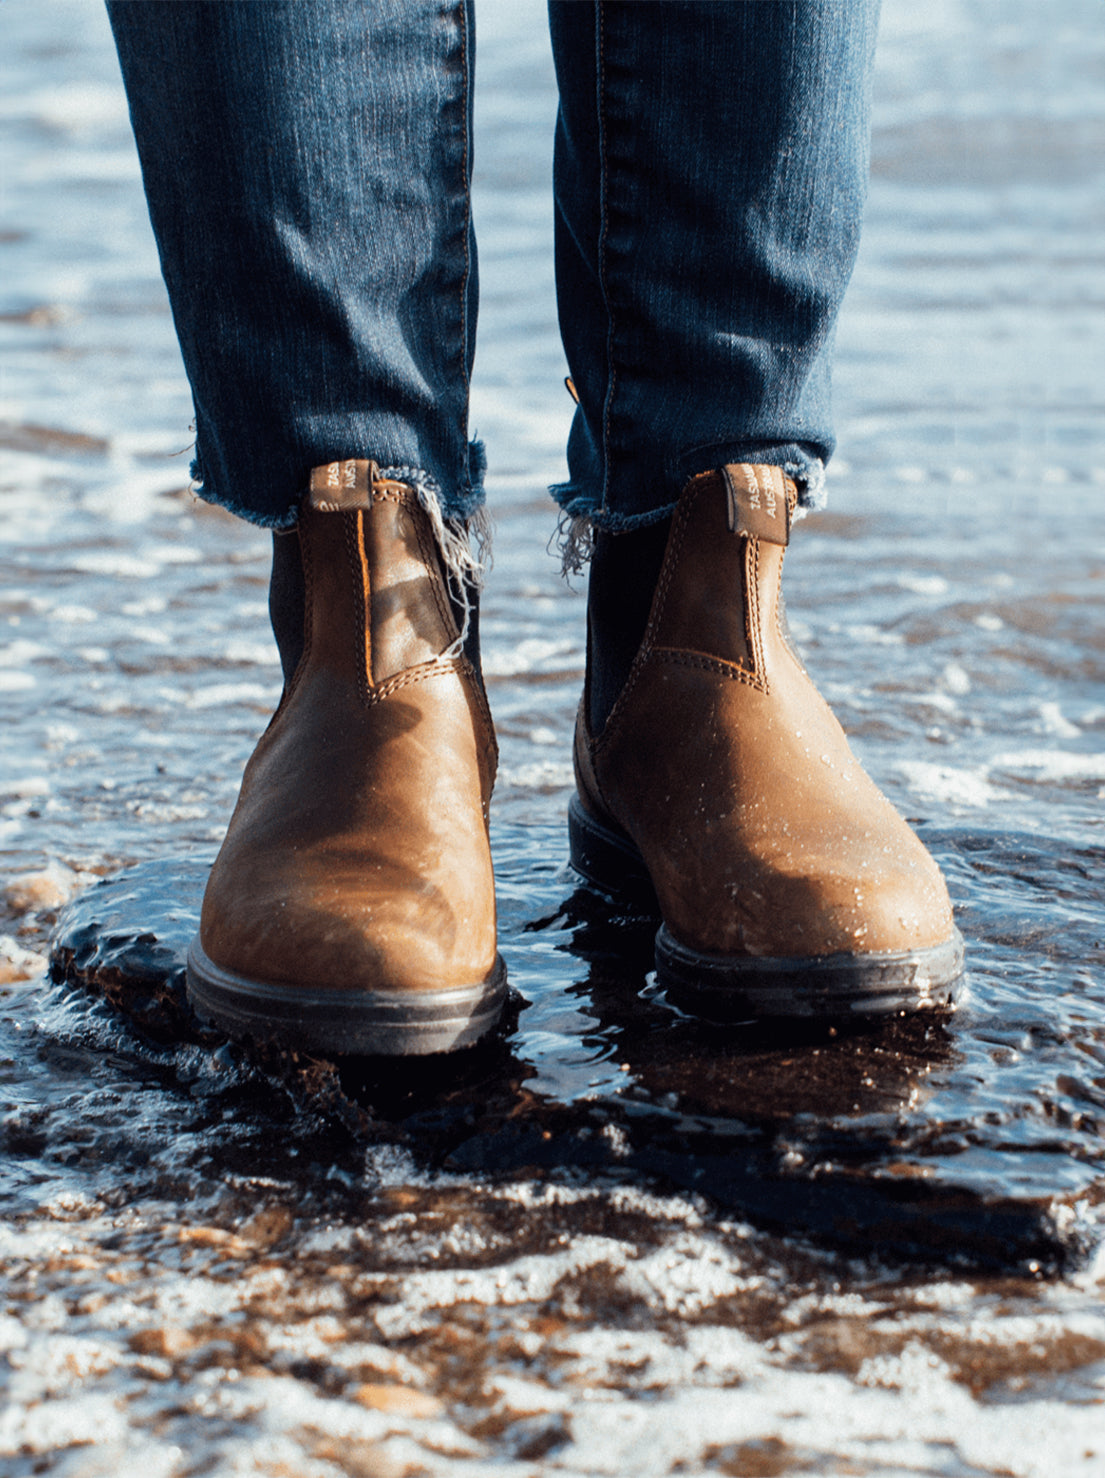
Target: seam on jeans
{"points": [[467, 275], [604, 227]]}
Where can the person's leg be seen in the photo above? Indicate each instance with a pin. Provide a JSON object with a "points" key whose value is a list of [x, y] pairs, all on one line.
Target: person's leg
{"points": [[711, 171], [307, 169], [711, 167], [710, 177]]}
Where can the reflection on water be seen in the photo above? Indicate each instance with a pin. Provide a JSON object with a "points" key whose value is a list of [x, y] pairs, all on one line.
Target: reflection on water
{"points": [[878, 1138], [612, 1240]]}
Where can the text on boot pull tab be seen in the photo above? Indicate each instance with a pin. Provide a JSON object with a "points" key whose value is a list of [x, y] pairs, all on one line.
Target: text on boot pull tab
{"points": [[758, 502], [341, 487]]}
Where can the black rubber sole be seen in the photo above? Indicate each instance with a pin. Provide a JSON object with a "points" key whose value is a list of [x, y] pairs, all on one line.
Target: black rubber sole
{"points": [[817, 987], [608, 861], [344, 1023], [730, 988]]}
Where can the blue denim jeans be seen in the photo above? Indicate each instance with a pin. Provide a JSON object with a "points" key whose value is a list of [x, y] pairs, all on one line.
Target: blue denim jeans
{"points": [[307, 167]]}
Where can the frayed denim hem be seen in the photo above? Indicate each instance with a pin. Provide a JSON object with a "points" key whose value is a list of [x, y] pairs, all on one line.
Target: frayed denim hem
{"points": [[809, 479], [278, 522], [466, 509], [574, 537], [580, 519]]}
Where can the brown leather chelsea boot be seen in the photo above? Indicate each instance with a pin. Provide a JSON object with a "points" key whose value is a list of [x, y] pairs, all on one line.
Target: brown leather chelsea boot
{"points": [[352, 906], [787, 883]]}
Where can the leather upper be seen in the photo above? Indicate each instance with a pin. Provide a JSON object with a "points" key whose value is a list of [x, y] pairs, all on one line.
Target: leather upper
{"points": [[357, 856], [762, 834]]}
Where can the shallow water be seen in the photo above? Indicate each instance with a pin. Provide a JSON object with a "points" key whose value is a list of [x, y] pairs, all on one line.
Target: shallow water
{"points": [[612, 1242]]}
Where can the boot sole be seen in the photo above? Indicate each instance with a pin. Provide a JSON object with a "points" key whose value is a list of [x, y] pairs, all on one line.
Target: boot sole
{"points": [[814, 987], [729, 988], [344, 1023], [608, 860]]}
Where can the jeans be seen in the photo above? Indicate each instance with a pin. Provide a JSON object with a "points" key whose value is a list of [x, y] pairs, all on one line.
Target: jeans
{"points": [[307, 167]]}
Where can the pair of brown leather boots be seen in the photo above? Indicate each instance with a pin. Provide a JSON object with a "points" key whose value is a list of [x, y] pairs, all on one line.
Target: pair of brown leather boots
{"points": [[352, 906]]}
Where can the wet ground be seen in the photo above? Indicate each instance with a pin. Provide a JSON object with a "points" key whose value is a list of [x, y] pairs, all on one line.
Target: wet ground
{"points": [[612, 1242]]}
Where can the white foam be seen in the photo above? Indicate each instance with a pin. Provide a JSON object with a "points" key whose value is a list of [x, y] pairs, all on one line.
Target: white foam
{"points": [[218, 694], [115, 563], [526, 1280], [20, 651], [956, 679], [1055, 722], [922, 584], [28, 787], [251, 653], [1051, 764], [63, 1422], [532, 654], [944, 702], [541, 775], [948, 786], [76, 107], [73, 615], [152, 605], [686, 1275], [172, 554], [876, 635]]}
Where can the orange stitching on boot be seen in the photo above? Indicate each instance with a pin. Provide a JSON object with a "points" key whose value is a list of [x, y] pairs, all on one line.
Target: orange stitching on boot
{"points": [[353, 540], [680, 657]]}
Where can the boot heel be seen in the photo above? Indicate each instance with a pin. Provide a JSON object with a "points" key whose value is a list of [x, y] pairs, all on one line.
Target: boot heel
{"points": [[608, 860]]}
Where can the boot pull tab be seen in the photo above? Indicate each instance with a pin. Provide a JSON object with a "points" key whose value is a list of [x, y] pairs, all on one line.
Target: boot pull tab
{"points": [[760, 501], [343, 487]]}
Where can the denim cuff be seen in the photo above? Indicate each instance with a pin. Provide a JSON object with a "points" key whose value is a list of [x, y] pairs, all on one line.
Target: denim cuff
{"points": [[460, 506]]}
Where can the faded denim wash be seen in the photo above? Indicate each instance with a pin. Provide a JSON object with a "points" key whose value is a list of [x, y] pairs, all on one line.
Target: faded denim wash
{"points": [[308, 166]]}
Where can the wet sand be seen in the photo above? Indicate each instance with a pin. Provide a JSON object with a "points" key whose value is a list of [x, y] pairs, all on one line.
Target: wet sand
{"points": [[613, 1241]]}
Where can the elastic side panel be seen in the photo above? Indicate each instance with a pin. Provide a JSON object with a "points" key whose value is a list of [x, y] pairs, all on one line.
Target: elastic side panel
{"points": [[410, 616]]}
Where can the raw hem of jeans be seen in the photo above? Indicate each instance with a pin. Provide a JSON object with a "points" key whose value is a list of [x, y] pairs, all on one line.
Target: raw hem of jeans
{"points": [[799, 462], [278, 522], [463, 509], [809, 479], [580, 519]]}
